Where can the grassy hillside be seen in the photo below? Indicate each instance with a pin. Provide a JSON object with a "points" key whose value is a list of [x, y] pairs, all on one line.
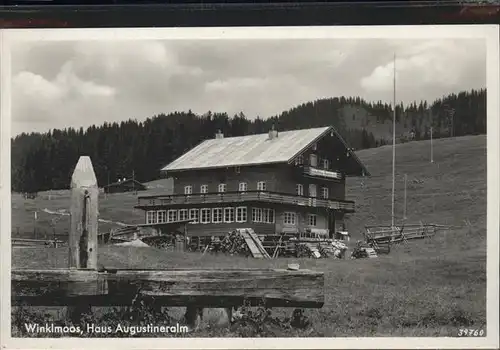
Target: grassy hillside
{"points": [[113, 209], [426, 288], [449, 191]]}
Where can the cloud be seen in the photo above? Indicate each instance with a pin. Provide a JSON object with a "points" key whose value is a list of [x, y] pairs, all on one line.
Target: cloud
{"points": [[62, 84], [431, 66], [235, 83], [35, 98], [31, 85]]}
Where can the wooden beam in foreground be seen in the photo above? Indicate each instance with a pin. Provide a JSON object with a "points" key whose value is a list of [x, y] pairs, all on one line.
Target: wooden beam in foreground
{"points": [[84, 216], [176, 287], [83, 224]]}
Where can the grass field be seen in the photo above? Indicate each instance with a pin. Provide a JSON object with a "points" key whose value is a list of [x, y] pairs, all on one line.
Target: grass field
{"points": [[429, 287]]}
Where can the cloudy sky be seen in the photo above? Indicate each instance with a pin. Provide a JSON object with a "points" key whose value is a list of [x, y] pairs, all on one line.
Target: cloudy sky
{"points": [[62, 84]]}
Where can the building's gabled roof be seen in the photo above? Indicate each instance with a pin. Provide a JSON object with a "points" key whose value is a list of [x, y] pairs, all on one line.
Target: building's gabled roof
{"points": [[251, 150]]}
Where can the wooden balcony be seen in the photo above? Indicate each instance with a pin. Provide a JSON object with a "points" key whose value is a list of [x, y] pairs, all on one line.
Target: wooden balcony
{"points": [[325, 174], [147, 202]]}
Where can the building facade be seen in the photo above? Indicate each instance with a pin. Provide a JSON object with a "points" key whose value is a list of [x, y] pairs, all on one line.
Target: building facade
{"points": [[278, 182]]}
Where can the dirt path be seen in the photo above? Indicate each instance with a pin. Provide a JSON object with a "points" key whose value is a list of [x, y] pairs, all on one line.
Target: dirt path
{"points": [[63, 212]]}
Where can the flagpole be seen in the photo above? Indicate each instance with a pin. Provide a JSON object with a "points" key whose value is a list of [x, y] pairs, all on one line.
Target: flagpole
{"points": [[394, 143], [432, 149], [404, 215]]}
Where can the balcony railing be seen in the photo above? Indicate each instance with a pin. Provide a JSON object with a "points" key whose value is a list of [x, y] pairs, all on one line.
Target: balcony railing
{"points": [[240, 197], [311, 171]]}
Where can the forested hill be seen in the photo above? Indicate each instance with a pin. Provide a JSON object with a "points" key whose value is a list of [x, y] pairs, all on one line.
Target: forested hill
{"points": [[46, 161]]}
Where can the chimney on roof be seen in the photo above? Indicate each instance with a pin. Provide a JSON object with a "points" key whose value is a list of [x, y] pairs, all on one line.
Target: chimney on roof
{"points": [[273, 133], [219, 134]]}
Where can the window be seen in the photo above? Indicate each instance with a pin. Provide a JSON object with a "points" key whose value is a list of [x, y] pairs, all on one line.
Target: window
{"points": [[194, 215], [268, 216], [324, 192], [205, 215], [162, 216], [263, 215], [183, 214], [242, 186], [172, 215], [289, 218], [151, 217], [241, 214], [312, 190], [216, 215], [300, 189], [228, 214], [222, 188], [261, 186], [312, 219], [326, 164], [313, 160], [204, 189], [299, 160], [256, 214], [188, 189]]}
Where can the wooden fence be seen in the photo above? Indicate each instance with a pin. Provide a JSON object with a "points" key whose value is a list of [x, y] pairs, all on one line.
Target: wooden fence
{"points": [[82, 285], [398, 234], [30, 242]]}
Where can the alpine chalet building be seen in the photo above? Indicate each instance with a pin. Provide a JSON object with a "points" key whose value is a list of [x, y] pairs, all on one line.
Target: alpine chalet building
{"points": [[277, 182]]}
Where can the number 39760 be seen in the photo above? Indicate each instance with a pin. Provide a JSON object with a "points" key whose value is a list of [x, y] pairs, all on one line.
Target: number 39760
{"points": [[465, 332]]}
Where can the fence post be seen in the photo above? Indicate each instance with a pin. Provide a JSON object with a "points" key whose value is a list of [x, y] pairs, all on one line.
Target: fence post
{"points": [[83, 224]]}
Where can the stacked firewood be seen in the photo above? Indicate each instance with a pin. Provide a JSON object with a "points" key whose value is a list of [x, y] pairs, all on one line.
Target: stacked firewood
{"points": [[160, 242], [359, 252], [327, 249], [302, 251], [339, 249], [234, 244]]}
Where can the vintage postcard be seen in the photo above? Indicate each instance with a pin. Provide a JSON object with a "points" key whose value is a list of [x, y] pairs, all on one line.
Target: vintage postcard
{"points": [[315, 187]]}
